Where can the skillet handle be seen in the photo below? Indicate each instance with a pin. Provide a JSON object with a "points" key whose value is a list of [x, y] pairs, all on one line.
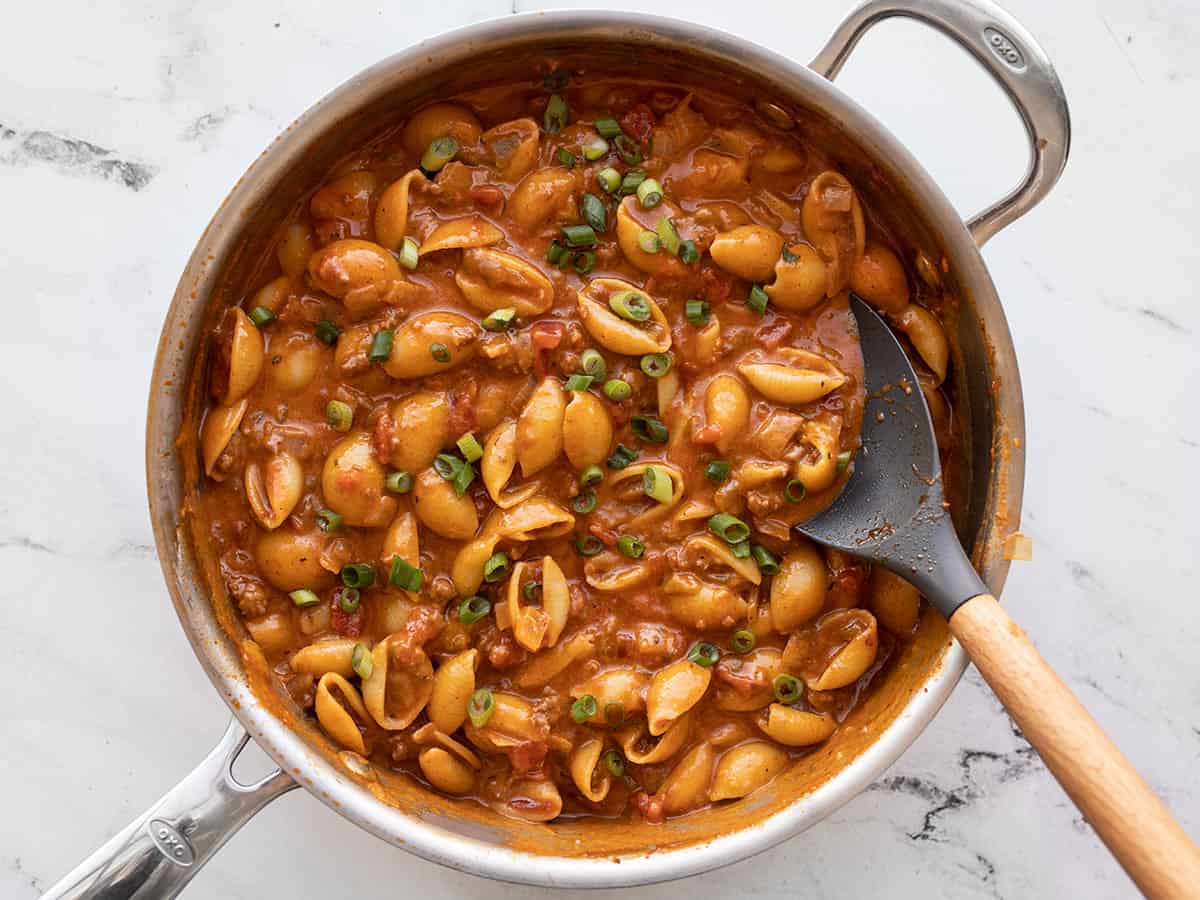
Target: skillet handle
{"points": [[156, 855], [1015, 61]]}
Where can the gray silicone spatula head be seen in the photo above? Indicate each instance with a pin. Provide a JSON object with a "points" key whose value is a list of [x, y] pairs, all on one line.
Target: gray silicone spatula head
{"points": [[891, 510]]}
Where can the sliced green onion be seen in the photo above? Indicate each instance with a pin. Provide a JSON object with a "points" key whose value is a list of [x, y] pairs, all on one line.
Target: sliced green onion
{"points": [[609, 179], [404, 576], [614, 713], [667, 235], [441, 150], [357, 575], [588, 545], [440, 352], [697, 312], [339, 415], [630, 305], [398, 482], [628, 149], [617, 390], [362, 662], [704, 654], [768, 564], [348, 599], [579, 382], [649, 193], [630, 182], [594, 213], [304, 597], [614, 762], [740, 550], [630, 546], [583, 261], [729, 528], [447, 466], [473, 609], [787, 255], [689, 253], [583, 708], [480, 707], [556, 80], [648, 242], [795, 490], [717, 470], [742, 641], [381, 346], [496, 568], [555, 118], [590, 476], [410, 253], [584, 502], [566, 157], [607, 127], [499, 319], [657, 484], [595, 148], [261, 316], [328, 520], [787, 688], [621, 457], [468, 445], [556, 253], [578, 236], [843, 460], [327, 332], [529, 590], [758, 300], [656, 365], [462, 480], [593, 363], [650, 428]]}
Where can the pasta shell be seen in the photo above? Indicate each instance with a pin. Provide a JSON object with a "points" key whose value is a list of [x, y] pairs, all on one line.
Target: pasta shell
{"points": [[803, 378], [412, 344], [643, 749], [513, 147], [347, 197], [273, 632], [441, 510], [467, 568], [878, 277], [590, 777], [631, 477], [295, 247], [360, 273], [391, 215], [453, 684], [295, 360], [624, 685], [493, 279], [747, 682], [796, 727], [617, 334], [440, 120], [749, 252], [727, 407], [632, 222], [857, 627], [352, 483], [745, 769], [895, 603], [556, 599], [428, 735], [540, 427], [547, 665], [528, 623], [799, 588], [292, 560], [396, 695], [927, 335], [673, 691], [707, 343], [535, 520], [543, 195], [337, 721], [321, 657], [498, 464], [833, 222], [667, 389], [800, 283], [273, 489], [822, 435], [219, 427], [512, 722], [701, 604], [401, 539], [462, 234], [533, 800], [421, 428], [587, 430], [238, 357], [679, 130], [612, 573], [686, 787], [445, 772], [707, 551]]}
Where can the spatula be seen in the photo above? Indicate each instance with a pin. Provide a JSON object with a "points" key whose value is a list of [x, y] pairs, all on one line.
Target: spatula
{"points": [[891, 513]]}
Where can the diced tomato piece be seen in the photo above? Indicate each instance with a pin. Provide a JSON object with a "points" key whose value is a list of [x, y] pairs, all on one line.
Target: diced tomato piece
{"points": [[347, 624], [544, 337], [487, 194], [772, 333], [638, 122]]}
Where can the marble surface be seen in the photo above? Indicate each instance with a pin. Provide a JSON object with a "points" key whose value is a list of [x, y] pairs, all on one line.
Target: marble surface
{"points": [[123, 123]]}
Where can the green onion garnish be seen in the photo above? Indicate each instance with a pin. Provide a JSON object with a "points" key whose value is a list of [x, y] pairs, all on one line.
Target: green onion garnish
{"points": [[556, 80], [339, 415], [609, 179], [347, 599], [607, 127], [529, 590], [628, 149], [657, 484], [591, 476], [261, 316], [787, 688], [468, 446], [556, 253], [398, 482], [447, 466], [704, 654], [566, 157], [584, 502], [697, 312], [630, 182], [328, 520], [441, 151], [496, 568], [583, 261], [480, 707], [786, 254], [630, 546], [717, 470], [409, 254], [594, 213], [614, 713], [742, 641], [555, 118], [593, 363], [579, 382], [405, 576], [689, 253], [617, 390], [648, 242], [362, 662], [795, 490], [614, 762], [649, 193], [768, 564], [327, 332], [440, 352], [499, 319], [667, 235], [729, 528], [304, 597], [578, 236], [621, 457], [758, 300], [650, 428], [588, 545], [656, 365], [630, 305], [381, 346], [740, 550], [843, 460], [583, 708], [595, 148], [357, 575], [473, 609]]}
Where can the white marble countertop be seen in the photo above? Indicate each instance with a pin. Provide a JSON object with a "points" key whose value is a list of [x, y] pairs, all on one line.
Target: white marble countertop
{"points": [[122, 123]]}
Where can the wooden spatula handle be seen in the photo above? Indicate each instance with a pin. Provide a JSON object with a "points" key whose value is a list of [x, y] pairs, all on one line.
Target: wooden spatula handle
{"points": [[1129, 817]]}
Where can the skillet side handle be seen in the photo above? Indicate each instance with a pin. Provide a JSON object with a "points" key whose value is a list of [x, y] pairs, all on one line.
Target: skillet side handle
{"points": [[156, 855], [1017, 63], [1127, 815]]}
